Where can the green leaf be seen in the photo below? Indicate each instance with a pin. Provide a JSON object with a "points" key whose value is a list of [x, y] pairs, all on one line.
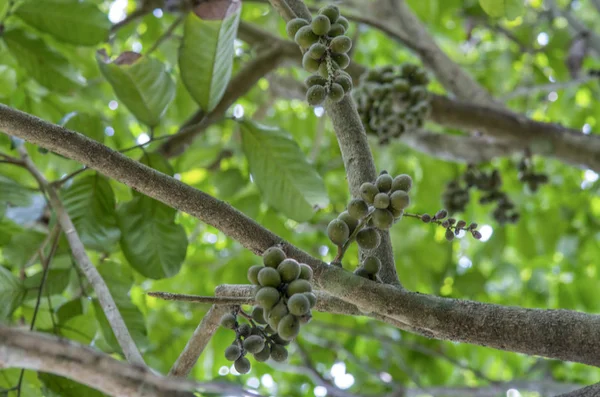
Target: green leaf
{"points": [[151, 241], [13, 193], [141, 83], [22, 246], [229, 182], [56, 282], [8, 80], [90, 202], [206, 53], [72, 21], [11, 292], [68, 310], [44, 64], [287, 181], [58, 386], [509, 9], [86, 124], [3, 8]]}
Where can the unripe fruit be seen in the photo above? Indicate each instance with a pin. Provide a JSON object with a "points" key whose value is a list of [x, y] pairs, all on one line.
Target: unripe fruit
{"points": [[298, 305], [401, 86], [396, 213], [362, 272], [316, 95], [345, 81], [441, 214], [343, 21], [368, 192], [426, 218], [294, 25], [228, 321], [317, 50], [402, 182], [371, 264], [277, 339], [305, 37], [263, 355], [336, 30], [312, 298], [258, 315], [341, 44], [449, 235], [310, 64], [384, 182], [336, 92], [320, 25], [342, 60], [381, 200], [473, 226], [358, 208], [399, 199], [244, 330], [254, 344], [331, 12], [350, 221], [279, 353], [368, 238], [253, 273], [269, 277], [306, 272], [338, 231], [273, 256], [298, 287], [289, 327], [233, 352], [267, 297], [476, 234], [242, 365], [289, 270], [277, 313], [382, 219], [315, 80], [305, 319]]}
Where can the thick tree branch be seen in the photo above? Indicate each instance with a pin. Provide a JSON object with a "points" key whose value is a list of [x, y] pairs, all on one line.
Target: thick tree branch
{"points": [[590, 391], [59, 356], [560, 334], [545, 88], [131, 352]]}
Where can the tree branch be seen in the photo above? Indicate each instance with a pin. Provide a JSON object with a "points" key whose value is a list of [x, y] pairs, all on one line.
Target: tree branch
{"points": [[590, 391], [59, 356], [544, 88], [576, 25], [132, 354]]}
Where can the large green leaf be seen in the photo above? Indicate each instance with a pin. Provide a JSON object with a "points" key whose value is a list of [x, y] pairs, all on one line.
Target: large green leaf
{"points": [[8, 81], [141, 83], [11, 292], [3, 8], [151, 241], [56, 282], [509, 9], [45, 65], [58, 386], [90, 202], [287, 181], [72, 21], [206, 53], [13, 193], [86, 124]]}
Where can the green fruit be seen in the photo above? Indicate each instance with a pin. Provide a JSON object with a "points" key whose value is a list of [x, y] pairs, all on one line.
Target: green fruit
{"points": [[258, 315], [228, 321], [342, 60], [338, 231], [345, 81], [402, 182], [315, 80], [349, 220], [399, 200], [269, 330], [306, 272], [277, 313], [254, 344], [382, 219], [381, 200], [317, 50], [273, 256], [324, 71], [309, 64], [305, 37], [269, 277], [341, 44], [242, 365], [294, 25], [371, 264], [396, 213], [263, 355], [361, 272], [384, 182], [320, 25], [305, 319], [298, 305], [244, 330], [344, 22], [289, 327], [267, 297], [253, 273], [368, 238], [368, 192], [336, 30], [279, 353], [312, 298], [289, 270], [358, 208], [277, 339], [401, 85], [233, 352], [298, 287], [331, 12], [316, 95]]}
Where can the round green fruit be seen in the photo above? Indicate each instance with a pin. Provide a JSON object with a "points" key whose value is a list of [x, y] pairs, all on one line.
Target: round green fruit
{"points": [[402, 182], [368, 238], [305, 37], [298, 305], [368, 192], [263, 355], [342, 60], [276, 314], [289, 270], [315, 80], [331, 12], [382, 219], [317, 50], [344, 22], [294, 25], [279, 353], [298, 287], [289, 327], [371, 264], [273, 256], [381, 200], [338, 231], [312, 298], [253, 273], [267, 297], [244, 330], [384, 182], [320, 25], [306, 272], [233, 352], [399, 200], [258, 315], [269, 277], [336, 30], [278, 340], [316, 95], [345, 81], [228, 321], [341, 44], [254, 343], [242, 365], [349, 219], [358, 208], [309, 63], [362, 272]]}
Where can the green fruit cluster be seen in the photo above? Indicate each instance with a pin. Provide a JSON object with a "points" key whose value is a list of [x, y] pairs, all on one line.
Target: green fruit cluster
{"points": [[369, 268], [325, 54], [392, 100]]}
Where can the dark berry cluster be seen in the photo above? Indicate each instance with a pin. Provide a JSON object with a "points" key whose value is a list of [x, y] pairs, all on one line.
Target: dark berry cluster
{"points": [[528, 176], [392, 100], [283, 298], [453, 227], [326, 49]]}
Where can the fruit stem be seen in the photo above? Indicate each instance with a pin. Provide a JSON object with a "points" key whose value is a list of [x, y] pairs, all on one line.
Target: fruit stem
{"points": [[337, 261]]}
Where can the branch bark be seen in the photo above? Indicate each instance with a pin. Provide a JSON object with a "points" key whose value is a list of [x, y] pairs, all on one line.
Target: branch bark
{"points": [[590, 391], [59, 356]]}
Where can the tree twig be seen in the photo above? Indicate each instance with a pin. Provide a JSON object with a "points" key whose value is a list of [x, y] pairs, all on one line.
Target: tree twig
{"points": [[165, 35], [544, 88]]}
